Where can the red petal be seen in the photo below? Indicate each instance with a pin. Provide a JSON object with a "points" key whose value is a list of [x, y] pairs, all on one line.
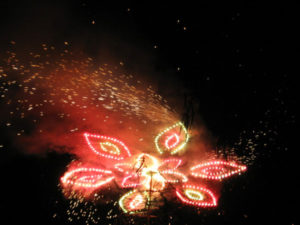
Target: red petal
{"points": [[133, 180], [196, 196], [172, 141], [170, 164], [84, 177], [217, 170], [125, 168], [172, 176], [107, 147]]}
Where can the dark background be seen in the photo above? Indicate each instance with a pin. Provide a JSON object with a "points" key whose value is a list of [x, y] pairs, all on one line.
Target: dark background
{"points": [[236, 60]]}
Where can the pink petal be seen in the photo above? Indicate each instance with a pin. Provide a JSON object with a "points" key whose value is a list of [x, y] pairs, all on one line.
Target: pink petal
{"points": [[216, 170], [107, 147], [170, 164], [131, 181], [172, 176], [125, 168], [85, 177]]}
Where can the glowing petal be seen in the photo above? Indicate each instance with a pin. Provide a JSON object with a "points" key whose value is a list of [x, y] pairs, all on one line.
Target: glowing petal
{"points": [[131, 181], [197, 196], [172, 176], [172, 139], [89, 178], [107, 147], [170, 164], [124, 167], [84, 177], [216, 170], [194, 194], [134, 202]]}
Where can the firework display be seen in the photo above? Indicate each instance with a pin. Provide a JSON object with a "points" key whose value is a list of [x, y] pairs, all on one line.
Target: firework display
{"points": [[115, 132], [147, 175], [156, 113]]}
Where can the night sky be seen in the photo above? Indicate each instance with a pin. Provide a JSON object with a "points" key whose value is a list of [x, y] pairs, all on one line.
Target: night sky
{"points": [[233, 63]]}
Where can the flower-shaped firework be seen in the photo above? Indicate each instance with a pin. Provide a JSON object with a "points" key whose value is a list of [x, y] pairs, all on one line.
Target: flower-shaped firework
{"points": [[146, 175]]}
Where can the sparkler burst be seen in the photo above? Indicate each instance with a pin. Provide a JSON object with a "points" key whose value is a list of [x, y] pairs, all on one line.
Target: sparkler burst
{"points": [[148, 175]]}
